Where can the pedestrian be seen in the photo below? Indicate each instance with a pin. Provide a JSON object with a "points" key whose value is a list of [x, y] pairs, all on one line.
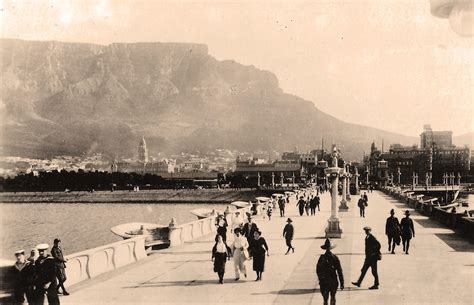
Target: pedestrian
{"points": [[372, 256], [307, 206], [22, 275], [317, 201], [237, 221], [392, 230], [281, 206], [259, 249], [269, 212], [288, 233], [222, 225], [408, 231], [312, 205], [362, 204], [301, 204], [57, 253], [45, 270], [366, 198], [328, 270], [240, 253], [220, 255], [248, 230]]}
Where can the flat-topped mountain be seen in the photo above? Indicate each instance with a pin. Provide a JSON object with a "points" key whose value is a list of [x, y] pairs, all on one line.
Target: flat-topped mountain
{"points": [[75, 98]]}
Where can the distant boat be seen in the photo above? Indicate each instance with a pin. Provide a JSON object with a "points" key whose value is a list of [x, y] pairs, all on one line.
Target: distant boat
{"points": [[157, 236], [263, 199], [204, 213], [240, 204]]}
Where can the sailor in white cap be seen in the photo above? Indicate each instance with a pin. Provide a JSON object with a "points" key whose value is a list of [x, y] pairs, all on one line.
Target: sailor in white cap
{"points": [[46, 276]]}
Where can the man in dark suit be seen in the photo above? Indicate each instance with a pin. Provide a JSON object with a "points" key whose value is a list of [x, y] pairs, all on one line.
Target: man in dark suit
{"points": [[361, 204], [288, 233], [392, 230], [60, 262], [328, 270], [372, 256], [249, 228], [408, 231]]}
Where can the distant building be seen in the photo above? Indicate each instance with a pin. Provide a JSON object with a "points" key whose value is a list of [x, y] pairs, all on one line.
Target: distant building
{"points": [[438, 139]]}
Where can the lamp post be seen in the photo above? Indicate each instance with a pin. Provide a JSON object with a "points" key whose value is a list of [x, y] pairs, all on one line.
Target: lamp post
{"points": [[356, 175], [333, 229], [343, 206], [399, 173], [258, 179], [348, 183], [273, 179]]}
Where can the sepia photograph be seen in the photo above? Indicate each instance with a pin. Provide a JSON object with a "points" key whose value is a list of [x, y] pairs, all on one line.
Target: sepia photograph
{"points": [[202, 152]]}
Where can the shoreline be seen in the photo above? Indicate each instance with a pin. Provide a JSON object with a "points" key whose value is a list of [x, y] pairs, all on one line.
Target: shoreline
{"points": [[205, 196]]}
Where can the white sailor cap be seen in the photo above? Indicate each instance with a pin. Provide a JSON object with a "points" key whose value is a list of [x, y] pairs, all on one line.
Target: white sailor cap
{"points": [[43, 247], [22, 251]]}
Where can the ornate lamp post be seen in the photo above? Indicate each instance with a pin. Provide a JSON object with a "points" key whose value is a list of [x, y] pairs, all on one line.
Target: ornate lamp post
{"points": [[399, 173], [348, 183], [273, 179], [458, 179], [343, 206], [356, 175], [258, 179], [333, 230]]}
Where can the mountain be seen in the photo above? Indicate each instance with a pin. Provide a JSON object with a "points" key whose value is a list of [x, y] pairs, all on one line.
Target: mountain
{"points": [[75, 98], [464, 139]]}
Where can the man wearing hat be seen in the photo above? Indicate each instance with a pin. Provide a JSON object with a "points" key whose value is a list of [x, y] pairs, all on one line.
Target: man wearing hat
{"points": [[60, 261], [45, 277], [408, 231], [288, 233], [248, 231], [328, 270], [22, 274], [372, 256], [392, 230]]}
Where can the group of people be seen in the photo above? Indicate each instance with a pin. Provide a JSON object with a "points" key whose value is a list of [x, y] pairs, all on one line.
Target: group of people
{"points": [[396, 230], [310, 204], [248, 244], [41, 275]]}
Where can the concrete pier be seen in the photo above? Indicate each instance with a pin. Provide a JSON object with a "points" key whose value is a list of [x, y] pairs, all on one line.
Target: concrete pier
{"points": [[439, 269]]}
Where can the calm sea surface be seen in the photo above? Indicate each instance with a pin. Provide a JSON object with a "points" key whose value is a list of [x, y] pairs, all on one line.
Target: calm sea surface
{"points": [[80, 226]]}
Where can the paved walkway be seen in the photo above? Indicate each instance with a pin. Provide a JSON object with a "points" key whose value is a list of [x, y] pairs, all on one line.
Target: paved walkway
{"points": [[439, 269]]}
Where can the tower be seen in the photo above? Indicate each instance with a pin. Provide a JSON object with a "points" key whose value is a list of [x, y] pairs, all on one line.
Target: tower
{"points": [[142, 152]]}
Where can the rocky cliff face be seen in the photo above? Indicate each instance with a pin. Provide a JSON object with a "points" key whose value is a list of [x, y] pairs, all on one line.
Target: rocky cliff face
{"points": [[82, 98]]}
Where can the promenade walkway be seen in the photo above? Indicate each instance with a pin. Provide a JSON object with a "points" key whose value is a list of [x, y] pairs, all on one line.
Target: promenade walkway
{"points": [[439, 269]]}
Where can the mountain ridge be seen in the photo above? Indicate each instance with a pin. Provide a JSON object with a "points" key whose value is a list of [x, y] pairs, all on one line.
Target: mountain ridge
{"points": [[80, 98]]}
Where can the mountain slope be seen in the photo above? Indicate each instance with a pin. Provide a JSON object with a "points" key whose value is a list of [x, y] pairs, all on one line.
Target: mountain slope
{"points": [[81, 98]]}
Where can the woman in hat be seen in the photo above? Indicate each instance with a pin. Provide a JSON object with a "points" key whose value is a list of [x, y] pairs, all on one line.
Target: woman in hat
{"points": [[392, 230], [240, 253], [259, 249], [328, 270], [220, 255], [222, 226], [57, 253], [288, 233], [408, 231]]}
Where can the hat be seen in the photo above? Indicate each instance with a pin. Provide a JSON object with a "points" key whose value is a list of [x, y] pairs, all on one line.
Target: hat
{"points": [[57, 240], [407, 212], [367, 228], [327, 245], [42, 247], [392, 211], [22, 251], [289, 220]]}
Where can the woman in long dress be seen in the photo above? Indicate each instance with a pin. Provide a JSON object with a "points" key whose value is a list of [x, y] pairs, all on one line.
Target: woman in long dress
{"points": [[259, 249], [220, 255], [240, 253]]}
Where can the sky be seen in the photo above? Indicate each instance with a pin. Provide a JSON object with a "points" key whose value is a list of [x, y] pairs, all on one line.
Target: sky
{"points": [[380, 63]]}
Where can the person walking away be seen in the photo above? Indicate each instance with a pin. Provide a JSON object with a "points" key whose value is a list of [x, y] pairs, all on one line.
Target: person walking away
{"points": [[361, 204], [240, 253], [259, 249], [21, 274], [288, 233], [60, 261], [307, 206], [45, 270], [366, 198], [312, 206], [392, 230], [372, 256], [220, 255], [301, 204], [222, 226], [281, 206], [328, 269], [248, 230], [269, 212], [408, 231]]}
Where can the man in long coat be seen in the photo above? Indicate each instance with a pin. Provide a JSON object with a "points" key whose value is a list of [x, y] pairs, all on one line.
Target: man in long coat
{"points": [[288, 233], [392, 230], [408, 231], [372, 256], [57, 253], [328, 270]]}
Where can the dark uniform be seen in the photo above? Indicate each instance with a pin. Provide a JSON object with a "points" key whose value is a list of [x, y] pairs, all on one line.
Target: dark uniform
{"points": [[288, 233], [408, 231], [361, 204], [22, 276], [328, 270], [248, 231], [60, 263], [45, 270], [392, 230], [372, 256]]}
